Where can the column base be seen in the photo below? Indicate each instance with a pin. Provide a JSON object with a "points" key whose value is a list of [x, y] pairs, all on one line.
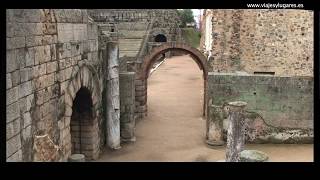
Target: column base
{"points": [[133, 139], [214, 143]]}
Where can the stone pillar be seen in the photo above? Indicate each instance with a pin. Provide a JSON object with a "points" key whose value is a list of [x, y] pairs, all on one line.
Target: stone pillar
{"points": [[127, 106], [113, 102], [236, 136], [215, 126]]}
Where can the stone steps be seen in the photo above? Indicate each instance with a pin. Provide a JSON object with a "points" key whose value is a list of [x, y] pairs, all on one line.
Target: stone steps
{"points": [[129, 47]]}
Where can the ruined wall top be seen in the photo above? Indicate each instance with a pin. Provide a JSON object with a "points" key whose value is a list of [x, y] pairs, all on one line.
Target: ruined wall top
{"points": [[130, 15]]}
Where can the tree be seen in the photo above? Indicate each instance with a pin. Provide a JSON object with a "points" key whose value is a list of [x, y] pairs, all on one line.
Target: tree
{"points": [[186, 16]]}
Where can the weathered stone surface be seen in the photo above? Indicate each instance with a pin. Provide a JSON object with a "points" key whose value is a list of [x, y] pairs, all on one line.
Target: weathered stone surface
{"points": [[113, 107], [26, 74], [8, 81], [21, 60], [25, 89], [13, 145], [30, 101], [51, 67], [30, 57], [65, 32], [215, 125], [236, 131], [253, 156], [16, 42], [15, 78], [26, 119], [11, 61], [16, 157], [32, 15], [23, 104], [13, 111], [26, 133], [12, 95], [13, 128], [268, 103]]}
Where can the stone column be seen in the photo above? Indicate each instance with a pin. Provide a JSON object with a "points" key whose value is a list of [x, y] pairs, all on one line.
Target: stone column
{"points": [[236, 136], [215, 126], [113, 99]]}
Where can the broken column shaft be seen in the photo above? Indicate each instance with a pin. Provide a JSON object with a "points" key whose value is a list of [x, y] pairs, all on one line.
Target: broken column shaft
{"points": [[215, 126], [236, 134], [112, 101]]}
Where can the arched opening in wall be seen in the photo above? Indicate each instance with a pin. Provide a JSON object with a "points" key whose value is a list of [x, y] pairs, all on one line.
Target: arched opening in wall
{"points": [[173, 98], [160, 38], [84, 126]]}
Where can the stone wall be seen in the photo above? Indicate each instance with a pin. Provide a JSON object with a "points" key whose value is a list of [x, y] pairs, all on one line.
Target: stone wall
{"points": [[280, 109], [127, 106], [279, 41], [47, 50]]}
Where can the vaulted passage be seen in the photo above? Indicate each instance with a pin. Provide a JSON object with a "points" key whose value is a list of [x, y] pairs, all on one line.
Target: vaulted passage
{"points": [[160, 38], [84, 130]]}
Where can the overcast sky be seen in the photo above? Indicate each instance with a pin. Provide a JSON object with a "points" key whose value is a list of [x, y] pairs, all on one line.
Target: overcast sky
{"points": [[196, 14]]}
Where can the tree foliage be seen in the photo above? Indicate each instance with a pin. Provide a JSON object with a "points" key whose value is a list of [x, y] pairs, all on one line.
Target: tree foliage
{"points": [[186, 16]]}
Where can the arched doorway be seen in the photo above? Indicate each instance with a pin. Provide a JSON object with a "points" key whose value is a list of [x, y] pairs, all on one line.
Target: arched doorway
{"points": [[160, 38], [149, 60], [82, 120], [84, 137]]}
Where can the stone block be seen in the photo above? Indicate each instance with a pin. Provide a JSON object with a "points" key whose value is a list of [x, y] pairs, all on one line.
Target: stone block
{"points": [[15, 78], [13, 128], [42, 54], [26, 119], [13, 145], [49, 28], [53, 52], [11, 61], [31, 29], [32, 15], [16, 42], [51, 67], [30, 57], [23, 104], [12, 95], [25, 89], [45, 109], [8, 81], [26, 133], [30, 101], [26, 74], [21, 57], [65, 32], [33, 41], [62, 64], [10, 29], [50, 79], [16, 157], [40, 96], [80, 32], [140, 88]]}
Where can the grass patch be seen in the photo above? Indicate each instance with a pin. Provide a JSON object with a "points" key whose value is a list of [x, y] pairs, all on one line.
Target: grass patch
{"points": [[191, 36]]}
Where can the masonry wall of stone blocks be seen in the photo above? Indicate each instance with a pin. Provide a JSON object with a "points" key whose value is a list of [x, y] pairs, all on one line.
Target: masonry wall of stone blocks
{"points": [[46, 48], [279, 41], [276, 105]]}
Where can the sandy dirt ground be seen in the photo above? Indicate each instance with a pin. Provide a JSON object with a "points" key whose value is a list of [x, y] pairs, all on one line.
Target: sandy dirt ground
{"points": [[174, 129]]}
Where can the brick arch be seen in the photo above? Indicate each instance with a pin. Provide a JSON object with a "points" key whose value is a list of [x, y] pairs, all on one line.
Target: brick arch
{"points": [[149, 60], [196, 55], [82, 77]]}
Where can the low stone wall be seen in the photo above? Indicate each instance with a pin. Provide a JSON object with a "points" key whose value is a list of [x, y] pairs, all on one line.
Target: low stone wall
{"points": [[279, 110], [127, 106]]}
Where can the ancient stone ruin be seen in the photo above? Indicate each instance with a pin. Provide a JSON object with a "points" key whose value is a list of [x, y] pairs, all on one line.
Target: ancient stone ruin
{"points": [[76, 80]]}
